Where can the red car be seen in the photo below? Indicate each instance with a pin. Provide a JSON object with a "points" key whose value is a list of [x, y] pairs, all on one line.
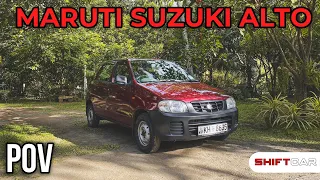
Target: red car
{"points": [[160, 101]]}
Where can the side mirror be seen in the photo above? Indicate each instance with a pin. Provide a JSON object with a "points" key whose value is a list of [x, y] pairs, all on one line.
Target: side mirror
{"points": [[121, 79]]}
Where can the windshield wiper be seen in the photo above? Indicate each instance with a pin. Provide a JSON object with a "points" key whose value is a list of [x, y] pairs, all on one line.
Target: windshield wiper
{"points": [[171, 80], [149, 82], [174, 80]]}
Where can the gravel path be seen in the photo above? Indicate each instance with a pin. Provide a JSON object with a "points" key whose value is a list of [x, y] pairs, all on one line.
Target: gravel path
{"points": [[180, 160]]}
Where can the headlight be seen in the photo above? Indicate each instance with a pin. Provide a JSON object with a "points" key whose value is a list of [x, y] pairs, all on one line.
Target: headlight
{"points": [[172, 106], [231, 103]]}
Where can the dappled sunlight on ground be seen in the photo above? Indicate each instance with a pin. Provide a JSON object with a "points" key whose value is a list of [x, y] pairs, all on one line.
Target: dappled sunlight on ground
{"points": [[202, 159]]}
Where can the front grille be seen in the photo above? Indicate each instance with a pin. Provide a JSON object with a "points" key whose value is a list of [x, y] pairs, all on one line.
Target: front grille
{"points": [[176, 128], [193, 124], [208, 106]]}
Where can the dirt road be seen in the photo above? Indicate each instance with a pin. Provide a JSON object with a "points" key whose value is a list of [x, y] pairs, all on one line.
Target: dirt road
{"points": [[181, 160]]}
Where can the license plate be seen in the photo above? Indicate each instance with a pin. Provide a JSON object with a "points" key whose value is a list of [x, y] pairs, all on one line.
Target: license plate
{"points": [[212, 129]]}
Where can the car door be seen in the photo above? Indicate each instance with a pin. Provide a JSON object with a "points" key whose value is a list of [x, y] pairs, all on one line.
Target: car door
{"points": [[120, 95], [97, 93], [100, 91]]}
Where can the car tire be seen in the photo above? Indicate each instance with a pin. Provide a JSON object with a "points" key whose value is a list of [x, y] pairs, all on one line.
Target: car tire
{"points": [[92, 119], [145, 136], [219, 138]]}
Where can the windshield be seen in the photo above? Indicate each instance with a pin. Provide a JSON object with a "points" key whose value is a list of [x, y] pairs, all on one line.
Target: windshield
{"points": [[159, 71]]}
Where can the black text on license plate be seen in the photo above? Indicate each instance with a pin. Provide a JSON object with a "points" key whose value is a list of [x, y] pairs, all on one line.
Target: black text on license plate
{"points": [[212, 129]]}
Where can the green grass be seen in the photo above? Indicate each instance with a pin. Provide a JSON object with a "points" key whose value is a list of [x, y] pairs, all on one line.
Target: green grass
{"points": [[76, 106], [252, 128], [47, 106], [23, 133]]}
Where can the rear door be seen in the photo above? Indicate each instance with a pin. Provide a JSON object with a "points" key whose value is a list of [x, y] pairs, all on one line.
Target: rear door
{"points": [[120, 95]]}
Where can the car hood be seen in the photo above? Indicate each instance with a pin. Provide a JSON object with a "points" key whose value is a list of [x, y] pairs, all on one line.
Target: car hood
{"points": [[186, 92]]}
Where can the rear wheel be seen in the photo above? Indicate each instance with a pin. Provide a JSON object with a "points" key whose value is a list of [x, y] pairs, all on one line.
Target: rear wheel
{"points": [[145, 136], [92, 118]]}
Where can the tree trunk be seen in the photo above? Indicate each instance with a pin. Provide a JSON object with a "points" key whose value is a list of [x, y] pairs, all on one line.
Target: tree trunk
{"points": [[301, 86], [211, 76], [249, 77], [274, 76], [85, 82], [187, 46], [226, 76]]}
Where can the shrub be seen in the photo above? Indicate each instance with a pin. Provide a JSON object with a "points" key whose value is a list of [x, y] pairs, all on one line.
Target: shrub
{"points": [[278, 111], [313, 107], [295, 114], [272, 109], [4, 95], [234, 92]]}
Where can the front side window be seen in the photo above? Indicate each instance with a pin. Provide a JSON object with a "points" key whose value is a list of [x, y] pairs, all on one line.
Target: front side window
{"points": [[159, 71], [105, 73], [123, 70]]}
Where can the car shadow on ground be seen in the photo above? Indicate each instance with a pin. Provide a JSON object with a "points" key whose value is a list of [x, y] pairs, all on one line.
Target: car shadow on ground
{"points": [[74, 129], [109, 132], [114, 131]]}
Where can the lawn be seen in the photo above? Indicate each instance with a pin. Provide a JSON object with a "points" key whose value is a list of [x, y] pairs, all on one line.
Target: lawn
{"points": [[54, 106], [23, 133], [252, 128]]}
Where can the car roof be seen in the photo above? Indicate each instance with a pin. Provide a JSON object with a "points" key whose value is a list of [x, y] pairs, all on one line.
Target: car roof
{"points": [[135, 59]]}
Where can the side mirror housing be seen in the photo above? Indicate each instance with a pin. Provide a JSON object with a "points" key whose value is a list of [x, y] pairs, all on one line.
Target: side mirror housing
{"points": [[121, 79]]}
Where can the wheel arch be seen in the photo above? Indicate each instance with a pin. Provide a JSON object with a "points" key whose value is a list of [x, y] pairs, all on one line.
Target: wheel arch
{"points": [[88, 102], [136, 114]]}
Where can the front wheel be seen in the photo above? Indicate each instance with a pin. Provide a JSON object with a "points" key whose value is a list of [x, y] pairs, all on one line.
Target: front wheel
{"points": [[145, 136], [92, 118]]}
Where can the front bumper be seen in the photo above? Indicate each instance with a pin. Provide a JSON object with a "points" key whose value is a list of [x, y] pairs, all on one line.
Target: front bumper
{"points": [[184, 127]]}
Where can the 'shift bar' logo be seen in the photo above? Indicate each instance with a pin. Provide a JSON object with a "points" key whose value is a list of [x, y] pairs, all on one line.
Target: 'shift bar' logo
{"points": [[285, 162]]}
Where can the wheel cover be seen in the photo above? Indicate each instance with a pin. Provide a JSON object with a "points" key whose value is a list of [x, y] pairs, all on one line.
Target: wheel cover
{"points": [[144, 133], [90, 115]]}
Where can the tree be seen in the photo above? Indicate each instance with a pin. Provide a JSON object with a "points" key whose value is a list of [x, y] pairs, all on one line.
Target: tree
{"points": [[299, 43]]}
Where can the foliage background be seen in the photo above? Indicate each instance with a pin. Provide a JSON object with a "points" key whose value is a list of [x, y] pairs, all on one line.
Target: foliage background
{"points": [[46, 63]]}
